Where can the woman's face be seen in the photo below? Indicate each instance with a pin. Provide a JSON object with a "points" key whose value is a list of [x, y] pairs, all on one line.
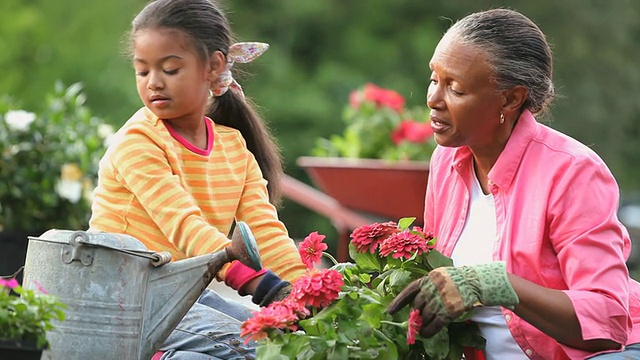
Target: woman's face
{"points": [[465, 105]]}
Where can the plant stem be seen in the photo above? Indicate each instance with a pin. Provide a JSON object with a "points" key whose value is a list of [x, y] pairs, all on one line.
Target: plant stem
{"points": [[333, 260], [401, 325]]}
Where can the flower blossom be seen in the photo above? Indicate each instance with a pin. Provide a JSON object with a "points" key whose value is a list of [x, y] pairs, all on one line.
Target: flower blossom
{"points": [[412, 131], [70, 184], [19, 120], [415, 323], [296, 307], [11, 283], [317, 288], [270, 317], [404, 244], [311, 249], [368, 237], [380, 96]]}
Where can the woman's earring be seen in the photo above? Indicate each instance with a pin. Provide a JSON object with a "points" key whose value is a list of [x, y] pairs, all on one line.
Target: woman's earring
{"points": [[501, 118]]}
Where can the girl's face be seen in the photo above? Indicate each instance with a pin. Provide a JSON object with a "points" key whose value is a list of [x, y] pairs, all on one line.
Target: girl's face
{"points": [[171, 80], [465, 105]]}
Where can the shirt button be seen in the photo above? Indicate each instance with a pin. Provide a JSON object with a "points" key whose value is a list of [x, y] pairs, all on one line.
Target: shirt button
{"points": [[529, 352], [507, 317], [490, 183]]}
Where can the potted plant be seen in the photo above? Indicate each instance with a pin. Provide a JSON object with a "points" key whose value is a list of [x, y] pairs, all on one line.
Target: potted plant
{"points": [[385, 146], [48, 168], [341, 312], [25, 318]]}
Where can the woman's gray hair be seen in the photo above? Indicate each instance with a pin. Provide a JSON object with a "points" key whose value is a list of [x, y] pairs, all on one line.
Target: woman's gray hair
{"points": [[516, 50]]}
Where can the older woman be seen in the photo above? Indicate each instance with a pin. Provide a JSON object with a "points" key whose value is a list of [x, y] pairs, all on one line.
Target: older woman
{"points": [[528, 214]]}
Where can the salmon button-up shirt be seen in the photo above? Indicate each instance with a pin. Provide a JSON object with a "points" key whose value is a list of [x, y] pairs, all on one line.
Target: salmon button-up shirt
{"points": [[556, 203]]}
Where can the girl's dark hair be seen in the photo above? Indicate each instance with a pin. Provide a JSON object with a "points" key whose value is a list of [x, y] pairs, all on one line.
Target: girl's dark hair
{"points": [[207, 27], [516, 50]]}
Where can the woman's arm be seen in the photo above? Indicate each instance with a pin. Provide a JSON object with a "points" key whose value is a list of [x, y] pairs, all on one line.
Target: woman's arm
{"points": [[552, 312]]}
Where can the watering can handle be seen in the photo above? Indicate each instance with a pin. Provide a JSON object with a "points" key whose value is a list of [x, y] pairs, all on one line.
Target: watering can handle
{"points": [[157, 258], [251, 245]]}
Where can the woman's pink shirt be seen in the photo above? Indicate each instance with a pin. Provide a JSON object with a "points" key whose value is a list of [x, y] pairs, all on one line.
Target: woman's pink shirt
{"points": [[556, 210]]}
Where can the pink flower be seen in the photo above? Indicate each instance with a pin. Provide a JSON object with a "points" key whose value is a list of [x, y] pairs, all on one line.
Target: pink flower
{"points": [[380, 96], [296, 307], [11, 283], [404, 244], [317, 288], [415, 323], [412, 131], [311, 249], [275, 316], [368, 237]]}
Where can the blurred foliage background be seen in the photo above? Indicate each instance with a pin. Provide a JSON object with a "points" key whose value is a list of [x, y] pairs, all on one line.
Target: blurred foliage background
{"points": [[321, 50]]}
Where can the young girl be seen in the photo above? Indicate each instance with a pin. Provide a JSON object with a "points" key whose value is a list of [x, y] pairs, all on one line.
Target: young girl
{"points": [[195, 158]]}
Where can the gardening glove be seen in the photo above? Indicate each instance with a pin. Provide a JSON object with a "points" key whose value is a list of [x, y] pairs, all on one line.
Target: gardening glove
{"points": [[240, 275], [271, 288], [446, 293]]}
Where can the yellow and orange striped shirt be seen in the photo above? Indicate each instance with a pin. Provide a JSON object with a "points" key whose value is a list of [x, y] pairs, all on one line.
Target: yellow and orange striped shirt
{"points": [[156, 187]]}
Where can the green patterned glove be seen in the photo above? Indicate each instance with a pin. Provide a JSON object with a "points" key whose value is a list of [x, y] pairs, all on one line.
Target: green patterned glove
{"points": [[448, 292]]}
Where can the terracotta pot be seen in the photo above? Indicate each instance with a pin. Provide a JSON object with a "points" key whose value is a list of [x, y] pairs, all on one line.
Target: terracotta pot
{"points": [[376, 187], [19, 350]]}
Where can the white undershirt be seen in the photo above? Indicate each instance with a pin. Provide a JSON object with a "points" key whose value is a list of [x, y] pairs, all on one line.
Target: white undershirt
{"points": [[474, 247]]}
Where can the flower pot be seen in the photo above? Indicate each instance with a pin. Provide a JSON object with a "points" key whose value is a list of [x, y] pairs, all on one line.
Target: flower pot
{"points": [[387, 190], [19, 350]]}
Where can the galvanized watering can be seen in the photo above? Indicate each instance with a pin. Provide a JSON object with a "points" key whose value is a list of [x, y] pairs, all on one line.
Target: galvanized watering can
{"points": [[123, 300]]}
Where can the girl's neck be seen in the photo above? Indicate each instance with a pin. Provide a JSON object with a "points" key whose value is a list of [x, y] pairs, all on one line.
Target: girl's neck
{"points": [[195, 132]]}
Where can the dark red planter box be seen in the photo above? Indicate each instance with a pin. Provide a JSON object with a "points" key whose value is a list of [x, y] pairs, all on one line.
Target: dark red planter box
{"points": [[388, 190]]}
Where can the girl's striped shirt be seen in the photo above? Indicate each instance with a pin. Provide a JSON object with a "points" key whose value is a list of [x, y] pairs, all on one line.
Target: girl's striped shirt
{"points": [[155, 186]]}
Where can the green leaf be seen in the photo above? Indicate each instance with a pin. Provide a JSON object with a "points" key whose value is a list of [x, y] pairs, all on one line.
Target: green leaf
{"points": [[270, 351], [405, 223], [437, 346], [365, 260], [399, 278], [435, 259]]}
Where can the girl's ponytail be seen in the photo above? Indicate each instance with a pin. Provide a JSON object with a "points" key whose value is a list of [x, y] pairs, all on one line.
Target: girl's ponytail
{"points": [[230, 109]]}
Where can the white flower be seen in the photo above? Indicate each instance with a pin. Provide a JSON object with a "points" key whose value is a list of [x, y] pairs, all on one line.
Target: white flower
{"points": [[70, 190], [105, 132], [19, 120], [70, 184]]}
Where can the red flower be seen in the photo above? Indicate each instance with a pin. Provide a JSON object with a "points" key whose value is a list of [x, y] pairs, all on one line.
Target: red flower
{"points": [[274, 316], [368, 237], [317, 288], [404, 244], [311, 249], [415, 323], [412, 131], [381, 97]]}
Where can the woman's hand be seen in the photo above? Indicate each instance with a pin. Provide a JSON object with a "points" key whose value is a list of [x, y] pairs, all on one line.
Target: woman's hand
{"points": [[448, 292]]}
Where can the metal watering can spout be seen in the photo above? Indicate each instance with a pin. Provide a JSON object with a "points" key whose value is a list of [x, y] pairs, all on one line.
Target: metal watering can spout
{"points": [[122, 300], [174, 288]]}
